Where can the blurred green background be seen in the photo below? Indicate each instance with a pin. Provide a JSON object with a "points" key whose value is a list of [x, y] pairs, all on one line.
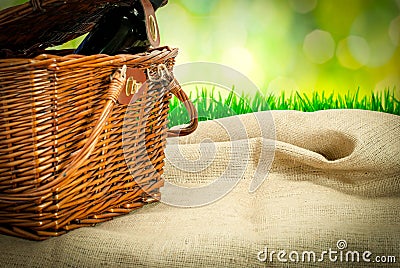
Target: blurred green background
{"points": [[286, 45], [304, 45]]}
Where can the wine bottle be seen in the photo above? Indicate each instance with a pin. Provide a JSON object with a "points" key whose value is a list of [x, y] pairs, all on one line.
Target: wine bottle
{"points": [[158, 3], [120, 30]]}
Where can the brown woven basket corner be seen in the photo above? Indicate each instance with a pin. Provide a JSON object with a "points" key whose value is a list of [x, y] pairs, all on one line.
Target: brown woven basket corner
{"points": [[71, 154]]}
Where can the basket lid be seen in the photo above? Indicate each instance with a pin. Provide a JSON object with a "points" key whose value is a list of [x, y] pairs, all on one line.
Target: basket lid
{"points": [[38, 24]]}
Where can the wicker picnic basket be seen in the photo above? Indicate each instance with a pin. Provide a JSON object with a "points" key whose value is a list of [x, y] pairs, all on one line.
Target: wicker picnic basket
{"points": [[78, 145]]}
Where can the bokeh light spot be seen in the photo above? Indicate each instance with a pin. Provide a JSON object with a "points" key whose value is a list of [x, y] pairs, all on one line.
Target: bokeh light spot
{"points": [[387, 83], [303, 6], [394, 31], [376, 34], [223, 31], [353, 52], [319, 46], [239, 58]]}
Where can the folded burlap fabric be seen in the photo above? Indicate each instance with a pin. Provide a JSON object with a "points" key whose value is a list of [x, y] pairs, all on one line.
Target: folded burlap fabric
{"points": [[326, 194]]}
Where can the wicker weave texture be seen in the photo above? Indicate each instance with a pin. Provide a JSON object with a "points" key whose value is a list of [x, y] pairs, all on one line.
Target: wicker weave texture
{"points": [[50, 107]]}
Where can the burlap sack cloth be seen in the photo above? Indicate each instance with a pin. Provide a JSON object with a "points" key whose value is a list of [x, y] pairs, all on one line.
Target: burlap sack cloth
{"points": [[335, 176]]}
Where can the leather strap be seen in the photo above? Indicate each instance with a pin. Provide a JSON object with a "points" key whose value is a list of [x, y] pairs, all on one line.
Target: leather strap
{"points": [[153, 33], [134, 87]]}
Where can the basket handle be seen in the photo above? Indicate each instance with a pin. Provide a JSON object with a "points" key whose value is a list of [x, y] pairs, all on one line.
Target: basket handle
{"points": [[116, 85], [176, 89]]}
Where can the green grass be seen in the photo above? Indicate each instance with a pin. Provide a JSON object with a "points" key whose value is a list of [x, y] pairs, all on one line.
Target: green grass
{"points": [[211, 105]]}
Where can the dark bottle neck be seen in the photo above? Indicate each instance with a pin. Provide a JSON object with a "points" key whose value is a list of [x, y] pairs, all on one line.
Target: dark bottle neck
{"points": [[158, 3]]}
